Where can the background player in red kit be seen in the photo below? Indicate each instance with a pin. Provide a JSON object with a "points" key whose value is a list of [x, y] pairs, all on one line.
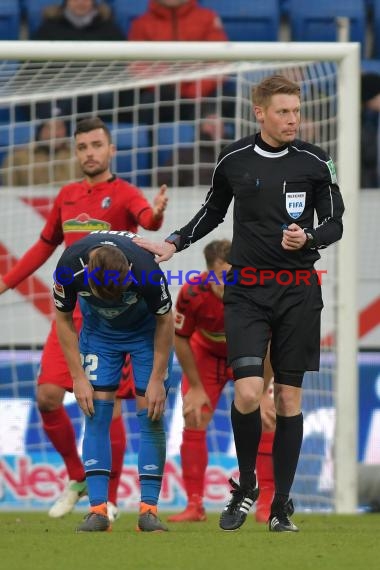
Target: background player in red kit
{"points": [[100, 201], [200, 345]]}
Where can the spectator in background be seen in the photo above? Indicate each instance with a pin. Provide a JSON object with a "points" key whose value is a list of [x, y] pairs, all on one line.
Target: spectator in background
{"points": [[175, 20], [84, 20], [47, 160], [193, 165], [78, 20], [370, 159]]}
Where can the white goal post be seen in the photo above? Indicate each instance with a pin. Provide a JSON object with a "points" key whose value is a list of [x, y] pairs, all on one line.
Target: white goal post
{"points": [[347, 58]]}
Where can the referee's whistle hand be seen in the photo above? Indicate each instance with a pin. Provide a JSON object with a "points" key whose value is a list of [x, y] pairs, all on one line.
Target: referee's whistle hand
{"points": [[293, 238]]}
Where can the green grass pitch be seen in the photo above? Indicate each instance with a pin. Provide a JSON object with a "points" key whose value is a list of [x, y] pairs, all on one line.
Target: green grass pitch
{"points": [[32, 541]]}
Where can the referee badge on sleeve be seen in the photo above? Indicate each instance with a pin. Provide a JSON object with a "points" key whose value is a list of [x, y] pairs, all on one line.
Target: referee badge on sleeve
{"points": [[295, 203]]}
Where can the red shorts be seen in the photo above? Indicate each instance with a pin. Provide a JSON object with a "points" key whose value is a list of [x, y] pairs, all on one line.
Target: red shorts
{"points": [[126, 389], [213, 371], [54, 370]]}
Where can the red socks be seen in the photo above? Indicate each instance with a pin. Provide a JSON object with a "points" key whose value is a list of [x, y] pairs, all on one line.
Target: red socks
{"points": [[194, 458], [264, 472], [60, 431]]}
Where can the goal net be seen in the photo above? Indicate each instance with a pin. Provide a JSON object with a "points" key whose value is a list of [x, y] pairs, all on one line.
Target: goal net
{"points": [[159, 101]]}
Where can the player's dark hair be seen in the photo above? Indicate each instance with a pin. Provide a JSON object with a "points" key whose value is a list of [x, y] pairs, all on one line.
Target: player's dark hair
{"points": [[274, 85], [110, 268], [217, 249], [88, 125]]}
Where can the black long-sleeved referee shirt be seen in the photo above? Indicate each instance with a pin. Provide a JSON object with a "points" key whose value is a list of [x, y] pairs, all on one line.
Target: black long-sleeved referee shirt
{"points": [[271, 188]]}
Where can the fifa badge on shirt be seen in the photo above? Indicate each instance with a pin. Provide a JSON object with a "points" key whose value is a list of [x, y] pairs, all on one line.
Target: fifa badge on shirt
{"points": [[295, 204], [106, 202]]}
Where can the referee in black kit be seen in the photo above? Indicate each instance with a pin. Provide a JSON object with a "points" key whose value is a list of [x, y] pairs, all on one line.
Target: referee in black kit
{"points": [[277, 183]]}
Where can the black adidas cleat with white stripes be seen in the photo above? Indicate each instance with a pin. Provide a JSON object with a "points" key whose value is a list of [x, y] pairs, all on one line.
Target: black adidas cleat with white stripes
{"points": [[236, 510], [279, 518]]}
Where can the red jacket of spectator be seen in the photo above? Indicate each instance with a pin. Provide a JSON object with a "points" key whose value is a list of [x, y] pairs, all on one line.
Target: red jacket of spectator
{"points": [[188, 23]]}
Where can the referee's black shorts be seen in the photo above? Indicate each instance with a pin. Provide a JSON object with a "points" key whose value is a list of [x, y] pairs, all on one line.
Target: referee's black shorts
{"points": [[287, 315]]}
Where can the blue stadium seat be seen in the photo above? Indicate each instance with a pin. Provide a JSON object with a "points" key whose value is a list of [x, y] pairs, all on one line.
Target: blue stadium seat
{"points": [[125, 12], [370, 66], [17, 134], [9, 20], [376, 28], [34, 11], [247, 20], [19, 113], [8, 70], [316, 21], [284, 7], [133, 154], [22, 4], [5, 115], [170, 136]]}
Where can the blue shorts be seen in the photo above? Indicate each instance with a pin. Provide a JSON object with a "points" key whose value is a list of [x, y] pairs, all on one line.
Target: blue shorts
{"points": [[103, 358]]}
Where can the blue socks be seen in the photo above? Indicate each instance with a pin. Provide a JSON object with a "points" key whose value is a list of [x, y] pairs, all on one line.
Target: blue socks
{"points": [[97, 454], [97, 451], [152, 455]]}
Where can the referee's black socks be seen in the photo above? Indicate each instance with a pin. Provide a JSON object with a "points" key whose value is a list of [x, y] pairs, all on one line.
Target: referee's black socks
{"points": [[247, 435], [286, 451]]}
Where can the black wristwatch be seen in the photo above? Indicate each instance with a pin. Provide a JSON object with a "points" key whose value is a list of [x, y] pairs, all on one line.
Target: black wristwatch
{"points": [[175, 239], [310, 239]]}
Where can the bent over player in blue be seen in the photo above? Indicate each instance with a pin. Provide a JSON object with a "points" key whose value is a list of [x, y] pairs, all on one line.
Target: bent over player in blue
{"points": [[127, 309]]}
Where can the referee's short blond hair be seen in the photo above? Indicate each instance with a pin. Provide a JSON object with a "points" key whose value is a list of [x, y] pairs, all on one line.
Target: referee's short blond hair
{"points": [[273, 85]]}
